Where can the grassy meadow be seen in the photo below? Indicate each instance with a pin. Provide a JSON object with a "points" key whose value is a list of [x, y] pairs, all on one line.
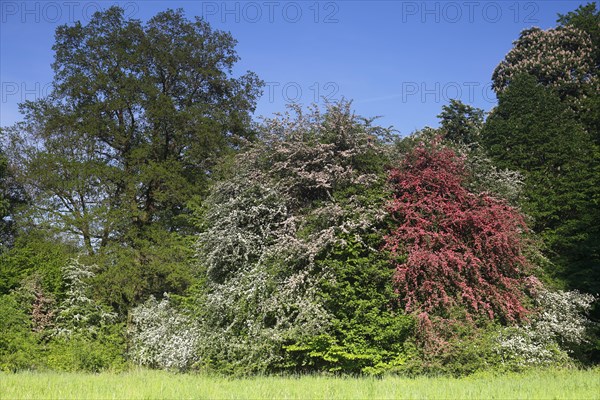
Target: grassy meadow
{"points": [[144, 384]]}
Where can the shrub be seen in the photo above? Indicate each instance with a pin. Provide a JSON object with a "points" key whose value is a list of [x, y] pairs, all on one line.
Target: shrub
{"points": [[554, 331], [80, 353], [19, 348], [367, 331], [162, 337], [454, 248], [293, 196], [78, 313], [85, 335]]}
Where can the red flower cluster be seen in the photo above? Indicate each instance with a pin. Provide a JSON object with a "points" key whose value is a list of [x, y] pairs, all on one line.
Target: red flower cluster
{"points": [[453, 247]]}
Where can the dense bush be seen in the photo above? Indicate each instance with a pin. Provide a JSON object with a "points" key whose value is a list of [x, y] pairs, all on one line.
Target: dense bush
{"points": [[557, 326], [367, 331], [19, 348], [268, 230], [162, 337], [454, 248], [84, 335]]}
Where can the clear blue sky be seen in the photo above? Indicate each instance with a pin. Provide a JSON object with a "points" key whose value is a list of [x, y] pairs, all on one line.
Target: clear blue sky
{"points": [[401, 60]]}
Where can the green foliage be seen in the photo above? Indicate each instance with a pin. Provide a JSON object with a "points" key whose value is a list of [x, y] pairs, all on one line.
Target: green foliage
{"points": [[139, 116], [158, 262], [461, 123], [77, 313], [105, 352], [12, 198], [462, 349], [368, 331], [586, 18], [19, 348], [84, 335], [4, 203], [35, 253], [533, 132]]}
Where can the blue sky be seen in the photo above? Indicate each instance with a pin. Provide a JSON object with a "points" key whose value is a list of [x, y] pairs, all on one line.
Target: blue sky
{"points": [[401, 60]]}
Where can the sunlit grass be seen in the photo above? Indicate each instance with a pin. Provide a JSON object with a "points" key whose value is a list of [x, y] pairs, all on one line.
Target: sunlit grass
{"points": [[542, 384]]}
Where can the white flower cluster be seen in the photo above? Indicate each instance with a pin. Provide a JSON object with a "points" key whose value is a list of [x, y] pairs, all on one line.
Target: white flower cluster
{"points": [[162, 337], [558, 324], [260, 287], [561, 58], [562, 316], [486, 177], [78, 313]]}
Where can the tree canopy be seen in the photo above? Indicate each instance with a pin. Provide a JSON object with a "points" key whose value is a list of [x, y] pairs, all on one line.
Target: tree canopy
{"points": [[138, 117]]}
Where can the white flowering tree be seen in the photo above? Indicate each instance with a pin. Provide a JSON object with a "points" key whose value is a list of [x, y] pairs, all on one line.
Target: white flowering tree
{"points": [[263, 229], [259, 289], [561, 58], [163, 337], [557, 326], [78, 313]]}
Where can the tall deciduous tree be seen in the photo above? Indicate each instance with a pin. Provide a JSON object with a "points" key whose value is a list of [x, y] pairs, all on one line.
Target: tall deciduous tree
{"points": [[561, 58], [533, 132], [586, 18], [138, 117]]}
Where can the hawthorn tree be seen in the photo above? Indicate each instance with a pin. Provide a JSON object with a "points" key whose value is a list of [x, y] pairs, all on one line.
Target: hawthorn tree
{"points": [[284, 240], [454, 248]]}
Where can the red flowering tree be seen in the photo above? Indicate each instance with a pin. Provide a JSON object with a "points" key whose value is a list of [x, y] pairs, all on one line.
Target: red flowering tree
{"points": [[454, 248]]}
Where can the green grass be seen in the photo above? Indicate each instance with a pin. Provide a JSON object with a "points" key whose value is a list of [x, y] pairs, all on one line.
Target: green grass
{"points": [[551, 384]]}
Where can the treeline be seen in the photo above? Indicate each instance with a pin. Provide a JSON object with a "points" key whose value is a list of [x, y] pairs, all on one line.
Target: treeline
{"points": [[146, 219]]}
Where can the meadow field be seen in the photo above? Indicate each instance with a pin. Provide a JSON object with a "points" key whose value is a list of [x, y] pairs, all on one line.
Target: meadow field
{"points": [[145, 384]]}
